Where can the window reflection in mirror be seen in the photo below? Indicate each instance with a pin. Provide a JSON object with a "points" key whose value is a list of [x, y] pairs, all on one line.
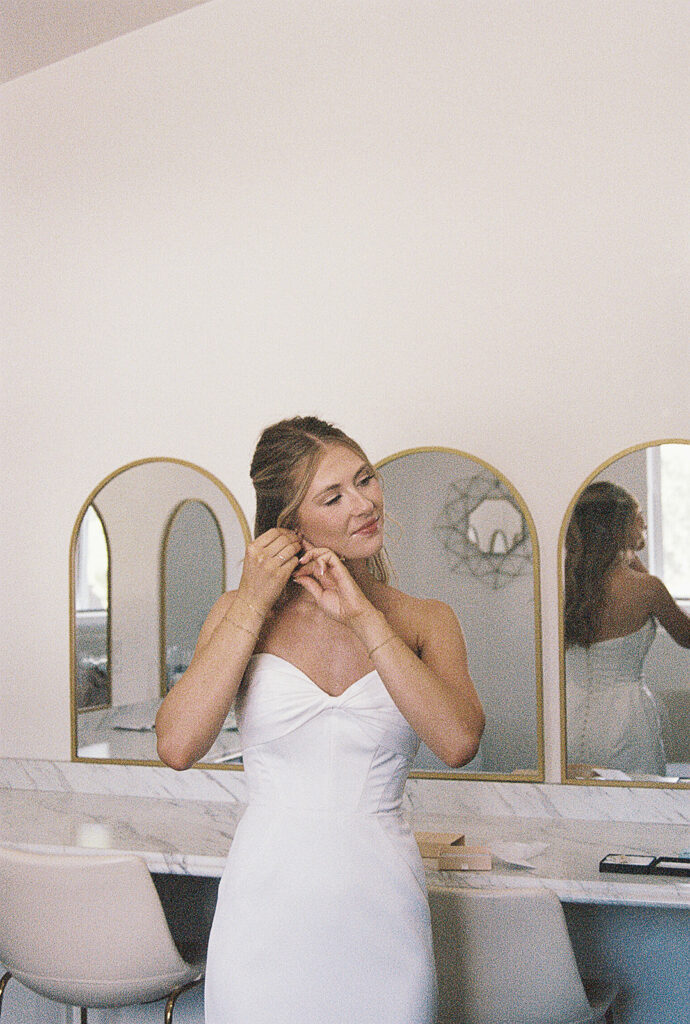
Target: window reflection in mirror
{"points": [[457, 531], [626, 620], [92, 633], [175, 541], [668, 470]]}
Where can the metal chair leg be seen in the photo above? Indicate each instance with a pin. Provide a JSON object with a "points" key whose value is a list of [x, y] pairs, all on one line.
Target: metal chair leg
{"points": [[3, 982], [169, 1006], [172, 999]]}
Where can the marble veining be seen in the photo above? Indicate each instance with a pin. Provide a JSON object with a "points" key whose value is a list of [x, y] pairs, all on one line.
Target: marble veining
{"points": [[427, 796], [174, 836], [122, 780], [185, 836], [549, 801]]}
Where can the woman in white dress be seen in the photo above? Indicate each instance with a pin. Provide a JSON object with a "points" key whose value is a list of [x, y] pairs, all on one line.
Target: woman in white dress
{"points": [[612, 606], [322, 914]]}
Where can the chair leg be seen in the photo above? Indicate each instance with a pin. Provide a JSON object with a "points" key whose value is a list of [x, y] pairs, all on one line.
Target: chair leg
{"points": [[3, 982], [172, 999], [84, 1015]]}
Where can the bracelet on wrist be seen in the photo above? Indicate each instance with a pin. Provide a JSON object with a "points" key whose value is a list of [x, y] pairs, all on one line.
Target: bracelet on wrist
{"points": [[238, 597], [238, 625], [383, 644], [369, 619]]}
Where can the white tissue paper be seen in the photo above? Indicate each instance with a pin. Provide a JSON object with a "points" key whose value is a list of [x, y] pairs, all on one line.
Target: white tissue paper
{"points": [[517, 855]]}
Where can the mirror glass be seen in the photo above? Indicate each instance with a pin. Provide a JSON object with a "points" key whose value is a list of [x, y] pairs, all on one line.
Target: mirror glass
{"points": [[153, 547], [457, 531], [91, 602], [191, 585], [625, 679]]}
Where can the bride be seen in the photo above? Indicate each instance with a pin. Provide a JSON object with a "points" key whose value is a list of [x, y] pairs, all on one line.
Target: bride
{"points": [[612, 606], [336, 676]]}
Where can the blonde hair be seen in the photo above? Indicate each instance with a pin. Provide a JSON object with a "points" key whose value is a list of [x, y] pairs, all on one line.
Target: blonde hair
{"points": [[284, 463], [597, 535]]}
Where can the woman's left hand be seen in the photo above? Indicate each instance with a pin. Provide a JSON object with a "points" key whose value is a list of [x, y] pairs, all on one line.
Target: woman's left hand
{"points": [[324, 576]]}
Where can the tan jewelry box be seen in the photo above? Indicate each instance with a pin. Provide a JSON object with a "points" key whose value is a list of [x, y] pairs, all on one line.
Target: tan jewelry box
{"points": [[431, 843], [446, 851], [465, 858]]}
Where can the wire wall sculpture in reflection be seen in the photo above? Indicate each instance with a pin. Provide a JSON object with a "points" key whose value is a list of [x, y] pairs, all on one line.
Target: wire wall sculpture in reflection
{"points": [[484, 530]]}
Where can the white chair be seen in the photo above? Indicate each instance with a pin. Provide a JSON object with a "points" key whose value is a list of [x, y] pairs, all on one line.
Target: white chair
{"points": [[504, 956], [88, 930]]}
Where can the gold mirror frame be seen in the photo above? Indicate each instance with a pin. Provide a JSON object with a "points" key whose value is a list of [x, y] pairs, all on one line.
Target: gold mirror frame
{"points": [[526, 775], [625, 783], [72, 601]]}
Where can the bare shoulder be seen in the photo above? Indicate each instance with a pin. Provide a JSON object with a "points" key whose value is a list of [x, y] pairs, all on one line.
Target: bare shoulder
{"points": [[653, 595], [656, 591], [638, 588], [423, 618], [649, 588], [668, 612]]}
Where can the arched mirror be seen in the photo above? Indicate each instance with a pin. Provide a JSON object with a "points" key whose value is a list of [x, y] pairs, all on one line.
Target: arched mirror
{"points": [[625, 647], [154, 545], [193, 579], [459, 532]]}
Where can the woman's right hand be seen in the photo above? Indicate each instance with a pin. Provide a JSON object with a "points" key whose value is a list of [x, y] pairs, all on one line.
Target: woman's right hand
{"points": [[269, 562], [193, 712]]}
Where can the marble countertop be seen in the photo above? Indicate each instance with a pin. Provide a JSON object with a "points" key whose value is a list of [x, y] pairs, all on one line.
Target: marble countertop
{"points": [[180, 836]]}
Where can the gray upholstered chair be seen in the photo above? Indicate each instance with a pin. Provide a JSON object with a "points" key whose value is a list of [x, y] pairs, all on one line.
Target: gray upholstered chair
{"points": [[504, 956], [88, 930]]}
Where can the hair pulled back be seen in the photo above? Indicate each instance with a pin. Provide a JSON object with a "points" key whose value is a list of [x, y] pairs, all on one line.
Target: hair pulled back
{"points": [[284, 463], [597, 534]]}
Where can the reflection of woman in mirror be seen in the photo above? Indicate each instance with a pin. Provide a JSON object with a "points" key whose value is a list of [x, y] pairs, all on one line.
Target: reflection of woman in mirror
{"points": [[612, 606], [322, 910]]}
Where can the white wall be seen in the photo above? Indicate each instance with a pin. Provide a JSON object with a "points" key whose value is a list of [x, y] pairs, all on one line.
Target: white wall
{"points": [[458, 223]]}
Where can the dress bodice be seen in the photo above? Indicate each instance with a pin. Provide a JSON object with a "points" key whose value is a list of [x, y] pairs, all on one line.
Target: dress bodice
{"points": [[303, 748], [610, 662], [322, 913], [611, 716]]}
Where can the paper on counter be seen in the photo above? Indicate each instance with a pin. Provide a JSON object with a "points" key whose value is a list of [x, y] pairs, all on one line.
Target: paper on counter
{"points": [[517, 855]]}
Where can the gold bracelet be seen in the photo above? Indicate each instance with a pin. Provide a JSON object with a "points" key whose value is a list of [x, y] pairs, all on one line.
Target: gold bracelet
{"points": [[261, 615], [239, 625], [383, 644]]}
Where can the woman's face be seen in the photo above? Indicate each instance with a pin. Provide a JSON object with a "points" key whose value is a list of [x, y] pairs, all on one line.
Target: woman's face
{"points": [[636, 532], [343, 508]]}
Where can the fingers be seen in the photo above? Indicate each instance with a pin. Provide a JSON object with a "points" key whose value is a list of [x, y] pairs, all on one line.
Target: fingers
{"points": [[310, 585], [283, 548], [276, 544], [270, 537], [314, 570], [311, 553], [269, 562], [316, 562]]}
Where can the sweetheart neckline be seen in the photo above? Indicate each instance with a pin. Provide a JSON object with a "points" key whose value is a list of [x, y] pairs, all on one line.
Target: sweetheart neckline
{"points": [[303, 674]]}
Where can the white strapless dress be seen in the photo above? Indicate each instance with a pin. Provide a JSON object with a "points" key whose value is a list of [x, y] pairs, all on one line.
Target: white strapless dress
{"points": [[322, 914], [611, 717]]}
